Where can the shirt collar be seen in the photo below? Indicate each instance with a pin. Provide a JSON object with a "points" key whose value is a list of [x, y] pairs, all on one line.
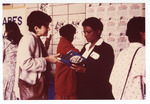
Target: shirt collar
{"points": [[33, 34], [98, 43], [64, 40], [135, 44]]}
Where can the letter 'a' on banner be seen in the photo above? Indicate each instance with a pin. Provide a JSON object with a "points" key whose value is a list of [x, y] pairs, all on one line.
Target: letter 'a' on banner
{"points": [[17, 15]]}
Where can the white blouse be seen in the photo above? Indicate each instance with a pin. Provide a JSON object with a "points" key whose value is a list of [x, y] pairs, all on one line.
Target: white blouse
{"points": [[88, 51], [136, 77]]}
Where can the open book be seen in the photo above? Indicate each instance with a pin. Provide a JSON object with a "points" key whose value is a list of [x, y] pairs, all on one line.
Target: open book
{"points": [[72, 58]]}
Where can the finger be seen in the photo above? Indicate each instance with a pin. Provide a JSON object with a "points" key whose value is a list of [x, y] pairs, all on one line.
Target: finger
{"points": [[57, 55], [58, 61], [73, 68], [74, 65]]}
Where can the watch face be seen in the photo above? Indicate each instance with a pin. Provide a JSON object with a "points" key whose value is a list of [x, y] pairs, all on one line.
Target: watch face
{"points": [[76, 59]]}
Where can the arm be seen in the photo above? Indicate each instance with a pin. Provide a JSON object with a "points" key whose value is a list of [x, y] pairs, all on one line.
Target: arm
{"points": [[6, 44], [28, 55], [77, 68], [53, 59]]}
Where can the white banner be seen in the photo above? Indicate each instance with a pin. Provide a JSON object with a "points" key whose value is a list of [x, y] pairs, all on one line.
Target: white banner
{"points": [[17, 15]]}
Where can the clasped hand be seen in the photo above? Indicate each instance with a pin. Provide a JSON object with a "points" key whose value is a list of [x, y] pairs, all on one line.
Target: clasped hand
{"points": [[77, 68]]}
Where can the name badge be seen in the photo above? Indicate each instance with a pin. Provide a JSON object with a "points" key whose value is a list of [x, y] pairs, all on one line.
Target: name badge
{"points": [[94, 55]]}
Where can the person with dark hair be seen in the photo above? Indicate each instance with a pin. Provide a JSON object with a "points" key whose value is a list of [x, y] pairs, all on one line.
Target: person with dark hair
{"points": [[94, 82], [13, 32], [10, 45], [33, 61], [65, 77], [136, 34], [128, 74]]}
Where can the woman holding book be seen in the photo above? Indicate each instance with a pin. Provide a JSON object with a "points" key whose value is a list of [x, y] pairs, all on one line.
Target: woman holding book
{"points": [[94, 82]]}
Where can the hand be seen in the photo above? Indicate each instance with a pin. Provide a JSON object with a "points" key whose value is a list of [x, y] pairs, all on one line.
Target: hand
{"points": [[77, 68], [53, 59]]}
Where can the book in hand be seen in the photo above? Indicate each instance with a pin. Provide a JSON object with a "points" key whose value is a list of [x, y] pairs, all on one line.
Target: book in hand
{"points": [[72, 58]]}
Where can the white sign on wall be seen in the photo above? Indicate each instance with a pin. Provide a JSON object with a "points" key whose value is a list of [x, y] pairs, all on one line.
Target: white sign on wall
{"points": [[17, 15]]}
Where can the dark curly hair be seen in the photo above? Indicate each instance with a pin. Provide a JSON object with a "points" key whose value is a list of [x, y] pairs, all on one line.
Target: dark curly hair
{"points": [[94, 23], [67, 32], [37, 18], [134, 27], [14, 34]]}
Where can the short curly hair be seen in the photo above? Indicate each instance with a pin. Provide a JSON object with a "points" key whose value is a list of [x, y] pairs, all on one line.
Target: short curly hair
{"points": [[94, 23], [134, 27], [67, 32], [37, 18]]}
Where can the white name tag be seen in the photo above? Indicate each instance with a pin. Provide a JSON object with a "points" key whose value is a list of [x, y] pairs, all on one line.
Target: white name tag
{"points": [[94, 55]]}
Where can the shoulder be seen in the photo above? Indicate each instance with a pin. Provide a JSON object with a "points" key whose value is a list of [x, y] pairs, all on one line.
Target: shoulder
{"points": [[105, 47], [142, 49], [28, 38], [6, 43], [141, 52]]}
